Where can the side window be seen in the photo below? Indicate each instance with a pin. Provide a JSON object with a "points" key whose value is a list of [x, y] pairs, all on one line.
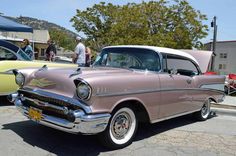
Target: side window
{"points": [[42, 52], [5, 54], [133, 58], [23, 55], [182, 65]]}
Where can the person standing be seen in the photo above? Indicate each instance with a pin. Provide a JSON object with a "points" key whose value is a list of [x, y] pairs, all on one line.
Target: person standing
{"points": [[51, 51], [88, 56], [79, 55], [28, 49]]}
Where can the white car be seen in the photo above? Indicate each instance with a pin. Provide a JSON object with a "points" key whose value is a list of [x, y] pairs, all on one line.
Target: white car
{"points": [[63, 59]]}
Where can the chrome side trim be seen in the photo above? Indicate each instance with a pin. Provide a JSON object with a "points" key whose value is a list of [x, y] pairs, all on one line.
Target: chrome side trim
{"points": [[128, 93], [6, 73], [213, 90], [155, 90], [174, 116], [215, 86], [72, 101]]}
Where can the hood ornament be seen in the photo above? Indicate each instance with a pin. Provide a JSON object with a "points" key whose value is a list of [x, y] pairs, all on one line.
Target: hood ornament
{"points": [[77, 72], [43, 68]]}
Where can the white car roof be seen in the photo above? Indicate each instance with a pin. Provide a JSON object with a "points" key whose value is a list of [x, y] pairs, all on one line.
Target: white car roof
{"points": [[159, 49]]}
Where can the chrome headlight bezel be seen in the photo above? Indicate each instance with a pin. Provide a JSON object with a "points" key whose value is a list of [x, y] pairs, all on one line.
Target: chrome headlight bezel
{"points": [[20, 79], [83, 90]]}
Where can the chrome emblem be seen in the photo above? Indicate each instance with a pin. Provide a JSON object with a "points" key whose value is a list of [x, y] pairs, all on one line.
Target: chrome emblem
{"points": [[41, 83], [39, 103]]}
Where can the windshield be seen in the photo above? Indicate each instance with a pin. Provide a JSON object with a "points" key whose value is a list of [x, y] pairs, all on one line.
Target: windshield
{"points": [[23, 55], [134, 58]]}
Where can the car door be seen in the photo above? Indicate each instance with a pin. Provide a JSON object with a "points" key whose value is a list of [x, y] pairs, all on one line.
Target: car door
{"points": [[176, 85], [6, 54]]}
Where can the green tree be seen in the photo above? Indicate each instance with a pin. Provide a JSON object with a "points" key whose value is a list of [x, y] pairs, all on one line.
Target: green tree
{"points": [[62, 39], [95, 23], [174, 25]]}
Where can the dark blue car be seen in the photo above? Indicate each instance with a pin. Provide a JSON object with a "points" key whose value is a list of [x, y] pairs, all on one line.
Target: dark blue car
{"points": [[9, 51]]}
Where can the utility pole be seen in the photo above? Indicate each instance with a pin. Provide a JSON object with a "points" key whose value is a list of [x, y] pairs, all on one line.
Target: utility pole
{"points": [[213, 24]]}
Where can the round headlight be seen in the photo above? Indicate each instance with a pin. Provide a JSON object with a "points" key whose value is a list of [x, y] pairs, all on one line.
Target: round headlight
{"points": [[83, 91], [20, 79]]}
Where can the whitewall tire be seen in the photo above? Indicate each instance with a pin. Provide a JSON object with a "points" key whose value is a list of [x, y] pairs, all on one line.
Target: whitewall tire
{"points": [[121, 129], [205, 111]]}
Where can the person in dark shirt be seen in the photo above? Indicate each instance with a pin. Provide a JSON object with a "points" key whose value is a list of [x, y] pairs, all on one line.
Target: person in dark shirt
{"points": [[51, 51]]}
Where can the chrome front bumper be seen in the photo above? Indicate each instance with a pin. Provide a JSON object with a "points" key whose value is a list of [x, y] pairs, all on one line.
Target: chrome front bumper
{"points": [[83, 123]]}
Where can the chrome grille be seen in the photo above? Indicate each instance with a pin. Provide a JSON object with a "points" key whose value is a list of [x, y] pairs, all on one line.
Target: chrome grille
{"points": [[51, 100], [55, 101], [49, 105], [45, 109]]}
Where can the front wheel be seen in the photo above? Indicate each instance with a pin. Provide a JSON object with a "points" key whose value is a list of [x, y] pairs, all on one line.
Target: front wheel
{"points": [[205, 111], [121, 129]]}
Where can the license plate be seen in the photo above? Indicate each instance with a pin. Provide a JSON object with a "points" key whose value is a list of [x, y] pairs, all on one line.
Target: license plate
{"points": [[35, 114]]}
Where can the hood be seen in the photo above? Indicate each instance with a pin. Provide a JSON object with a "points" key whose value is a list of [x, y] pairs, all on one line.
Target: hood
{"points": [[82, 73], [203, 57], [61, 81]]}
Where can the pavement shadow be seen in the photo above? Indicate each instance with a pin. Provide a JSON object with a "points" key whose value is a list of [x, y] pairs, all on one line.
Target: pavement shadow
{"points": [[54, 141], [147, 130], [61, 143], [4, 101]]}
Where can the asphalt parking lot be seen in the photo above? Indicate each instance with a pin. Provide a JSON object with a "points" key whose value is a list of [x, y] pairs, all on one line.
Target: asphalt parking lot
{"points": [[180, 136]]}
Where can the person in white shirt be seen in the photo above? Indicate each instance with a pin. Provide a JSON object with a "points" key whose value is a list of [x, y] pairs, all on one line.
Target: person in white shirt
{"points": [[79, 55]]}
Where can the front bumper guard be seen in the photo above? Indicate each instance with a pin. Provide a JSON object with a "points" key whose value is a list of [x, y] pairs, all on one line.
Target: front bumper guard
{"points": [[83, 123]]}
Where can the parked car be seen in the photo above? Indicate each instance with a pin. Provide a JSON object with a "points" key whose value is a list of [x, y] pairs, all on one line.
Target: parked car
{"points": [[230, 84], [63, 59], [125, 86], [9, 51], [13, 57], [7, 83]]}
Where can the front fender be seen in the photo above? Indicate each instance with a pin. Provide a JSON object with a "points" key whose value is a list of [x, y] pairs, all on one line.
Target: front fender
{"points": [[7, 84]]}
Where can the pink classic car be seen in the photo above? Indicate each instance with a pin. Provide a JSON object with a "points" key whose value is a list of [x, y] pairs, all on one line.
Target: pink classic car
{"points": [[125, 86]]}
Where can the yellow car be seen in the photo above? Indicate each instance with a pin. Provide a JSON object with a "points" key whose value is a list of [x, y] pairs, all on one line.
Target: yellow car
{"points": [[13, 57], [7, 78]]}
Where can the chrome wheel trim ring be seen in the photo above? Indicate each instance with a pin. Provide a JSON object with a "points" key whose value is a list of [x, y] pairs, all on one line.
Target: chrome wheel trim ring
{"points": [[122, 126], [205, 111]]}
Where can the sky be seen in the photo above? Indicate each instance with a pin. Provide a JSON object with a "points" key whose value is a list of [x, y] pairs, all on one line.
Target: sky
{"points": [[61, 11]]}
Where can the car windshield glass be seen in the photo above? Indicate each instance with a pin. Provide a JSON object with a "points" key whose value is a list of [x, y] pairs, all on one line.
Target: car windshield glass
{"points": [[133, 58], [23, 55]]}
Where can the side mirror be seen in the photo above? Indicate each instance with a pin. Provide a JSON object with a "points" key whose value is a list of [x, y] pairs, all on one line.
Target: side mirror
{"points": [[173, 71]]}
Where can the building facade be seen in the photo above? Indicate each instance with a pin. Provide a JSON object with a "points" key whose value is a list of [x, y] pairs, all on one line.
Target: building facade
{"points": [[38, 40], [225, 59]]}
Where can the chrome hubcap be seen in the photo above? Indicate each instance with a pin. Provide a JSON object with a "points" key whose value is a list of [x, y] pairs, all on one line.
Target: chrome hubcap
{"points": [[206, 109], [121, 125]]}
